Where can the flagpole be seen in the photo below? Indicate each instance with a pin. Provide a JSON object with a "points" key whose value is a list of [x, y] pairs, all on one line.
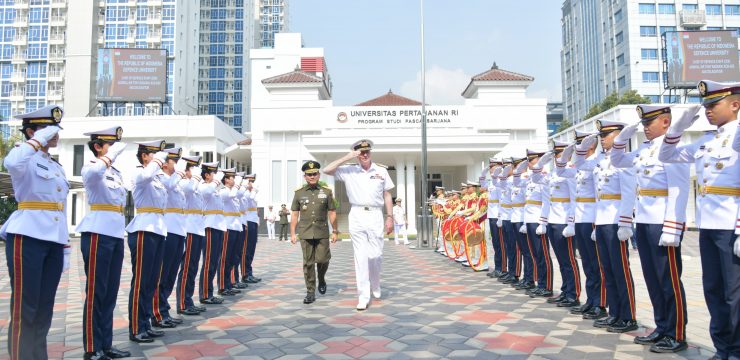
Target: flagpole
{"points": [[423, 240]]}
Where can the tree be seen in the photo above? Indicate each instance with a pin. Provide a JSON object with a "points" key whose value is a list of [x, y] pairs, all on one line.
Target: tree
{"points": [[563, 125], [7, 144], [629, 97]]}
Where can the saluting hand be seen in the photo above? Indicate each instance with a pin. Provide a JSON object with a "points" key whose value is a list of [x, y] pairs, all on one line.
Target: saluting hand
{"points": [[352, 154], [587, 143], [567, 153], [685, 121], [626, 134]]}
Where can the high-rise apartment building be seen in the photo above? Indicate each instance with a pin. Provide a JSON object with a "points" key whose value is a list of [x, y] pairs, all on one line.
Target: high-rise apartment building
{"points": [[48, 48], [615, 45]]}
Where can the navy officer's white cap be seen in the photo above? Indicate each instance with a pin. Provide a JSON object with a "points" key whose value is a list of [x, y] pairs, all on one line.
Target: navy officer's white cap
{"points": [[607, 126], [210, 167], [250, 176], [240, 173], [473, 183], [192, 159], [652, 111], [229, 172], [559, 146], [47, 115], [174, 153], [533, 154], [362, 145], [580, 135], [712, 91], [152, 146], [439, 188], [111, 134], [463, 185]]}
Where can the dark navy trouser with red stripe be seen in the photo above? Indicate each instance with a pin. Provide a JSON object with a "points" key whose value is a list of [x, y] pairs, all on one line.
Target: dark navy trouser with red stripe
{"points": [[496, 244], [620, 288], [146, 259], [103, 256], [661, 266], [522, 240], [513, 253], [564, 249], [543, 261], [228, 258], [188, 270], [212, 244], [595, 288], [251, 247], [172, 257], [35, 268]]}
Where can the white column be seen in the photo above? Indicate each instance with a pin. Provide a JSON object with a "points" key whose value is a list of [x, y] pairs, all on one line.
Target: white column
{"points": [[401, 183], [412, 207]]}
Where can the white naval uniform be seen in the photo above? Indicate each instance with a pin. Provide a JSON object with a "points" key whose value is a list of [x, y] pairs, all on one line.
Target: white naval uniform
{"points": [[558, 210], [494, 194], [537, 201], [585, 187], [611, 181], [174, 215], [212, 202], [365, 190], [148, 192], [252, 215], [36, 177], [232, 207], [504, 185], [194, 221], [104, 186], [518, 198]]}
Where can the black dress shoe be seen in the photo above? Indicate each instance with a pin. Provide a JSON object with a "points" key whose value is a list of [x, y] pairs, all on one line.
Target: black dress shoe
{"points": [[310, 297], [141, 338], [569, 303], [164, 324], [99, 355], [580, 310], [512, 280], [622, 326], [199, 308], [497, 273], [322, 288], [253, 280], [668, 345], [240, 285], [490, 274], [649, 339], [114, 353], [545, 294], [504, 277], [208, 301], [533, 292], [716, 357], [595, 313], [176, 321], [605, 322], [225, 293], [155, 333], [234, 291], [556, 299], [188, 311]]}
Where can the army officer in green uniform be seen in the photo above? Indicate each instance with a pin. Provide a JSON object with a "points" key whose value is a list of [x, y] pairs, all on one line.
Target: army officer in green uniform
{"points": [[312, 206]]}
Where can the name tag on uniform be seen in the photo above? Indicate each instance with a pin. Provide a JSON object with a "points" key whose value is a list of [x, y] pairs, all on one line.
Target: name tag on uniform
{"points": [[322, 196], [377, 176], [110, 178], [42, 166]]}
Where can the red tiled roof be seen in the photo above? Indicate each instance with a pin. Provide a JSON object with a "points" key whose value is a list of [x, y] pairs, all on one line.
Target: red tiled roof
{"points": [[390, 99], [496, 74], [293, 77]]}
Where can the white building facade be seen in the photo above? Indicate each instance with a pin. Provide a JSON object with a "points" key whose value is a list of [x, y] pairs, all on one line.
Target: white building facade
{"points": [[294, 120], [615, 46]]}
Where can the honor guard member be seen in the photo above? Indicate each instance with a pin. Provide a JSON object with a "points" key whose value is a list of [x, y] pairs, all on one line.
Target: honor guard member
{"points": [[464, 210], [661, 218], [146, 234], [368, 188], [242, 252], [497, 239], [561, 228], [585, 215], [535, 220], [102, 244], [614, 208], [36, 236], [215, 226], [518, 201], [230, 195], [438, 210], [195, 229], [174, 243], [312, 206], [718, 174], [479, 205], [252, 225], [513, 253]]}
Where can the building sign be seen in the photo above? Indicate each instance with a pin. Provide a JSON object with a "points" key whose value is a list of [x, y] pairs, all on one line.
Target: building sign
{"points": [[396, 117]]}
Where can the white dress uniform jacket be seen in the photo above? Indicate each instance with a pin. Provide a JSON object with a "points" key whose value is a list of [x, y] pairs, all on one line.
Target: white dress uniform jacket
{"points": [[717, 168], [149, 192], [561, 199], [232, 207], [663, 188], [194, 221], [494, 196], [365, 188], [212, 206], [582, 171], [615, 189], [518, 197], [536, 199], [37, 177], [251, 214], [104, 186], [504, 186], [174, 215]]}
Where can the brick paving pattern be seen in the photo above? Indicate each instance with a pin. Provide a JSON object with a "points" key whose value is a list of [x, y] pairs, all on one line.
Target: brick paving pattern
{"points": [[430, 308]]}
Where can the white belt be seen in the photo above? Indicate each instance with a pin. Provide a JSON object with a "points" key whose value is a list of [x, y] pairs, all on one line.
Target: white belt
{"points": [[368, 208]]}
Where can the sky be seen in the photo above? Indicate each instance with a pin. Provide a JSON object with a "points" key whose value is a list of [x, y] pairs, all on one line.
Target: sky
{"points": [[372, 46]]}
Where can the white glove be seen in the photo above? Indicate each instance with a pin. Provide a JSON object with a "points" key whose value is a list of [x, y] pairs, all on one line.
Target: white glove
{"points": [[44, 135], [567, 154], [196, 171], [499, 223], [180, 166], [483, 173], [593, 235], [115, 150], [521, 168], [238, 180], [569, 231], [736, 247], [541, 229], [586, 143], [67, 253], [544, 160], [523, 229], [626, 134], [219, 175], [671, 240], [507, 170], [161, 156], [624, 233], [497, 171], [685, 121]]}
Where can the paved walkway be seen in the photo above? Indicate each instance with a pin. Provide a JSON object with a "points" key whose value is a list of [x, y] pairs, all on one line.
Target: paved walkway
{"points": [[430, 308]]}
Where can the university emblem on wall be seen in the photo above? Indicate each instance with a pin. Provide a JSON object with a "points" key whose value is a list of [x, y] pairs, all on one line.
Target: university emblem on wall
{"points": [[342, 117]]}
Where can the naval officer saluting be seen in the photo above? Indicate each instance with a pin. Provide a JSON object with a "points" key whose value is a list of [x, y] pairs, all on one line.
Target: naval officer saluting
{"points": [[36, 236], [368, 185], [102, 243]]}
